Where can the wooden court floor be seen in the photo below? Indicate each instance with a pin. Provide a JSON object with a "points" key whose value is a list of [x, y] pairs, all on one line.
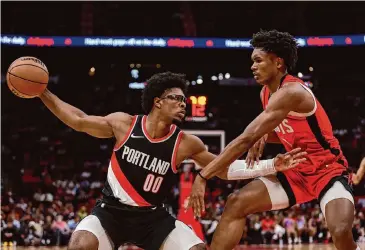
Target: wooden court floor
{"points": [[252, 247]]}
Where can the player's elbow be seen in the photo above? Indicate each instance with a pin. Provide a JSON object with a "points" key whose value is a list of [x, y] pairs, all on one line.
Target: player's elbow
{"points": [[78, 124]]}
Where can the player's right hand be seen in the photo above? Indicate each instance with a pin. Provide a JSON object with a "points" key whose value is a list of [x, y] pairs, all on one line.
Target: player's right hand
{"points": [[289, 160], [255, 152], [196, 197]]}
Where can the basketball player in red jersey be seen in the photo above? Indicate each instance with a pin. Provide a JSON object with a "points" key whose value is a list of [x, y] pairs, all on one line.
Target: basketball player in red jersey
{"points": [[148, 151], [293, 116]]}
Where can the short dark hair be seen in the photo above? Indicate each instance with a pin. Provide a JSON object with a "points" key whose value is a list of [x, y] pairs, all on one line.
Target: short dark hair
{"points": [[281, 44], [158, 84]]}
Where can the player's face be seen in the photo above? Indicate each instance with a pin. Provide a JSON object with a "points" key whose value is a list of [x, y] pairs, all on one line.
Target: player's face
{"points": [[264, 67], [173, 104]]}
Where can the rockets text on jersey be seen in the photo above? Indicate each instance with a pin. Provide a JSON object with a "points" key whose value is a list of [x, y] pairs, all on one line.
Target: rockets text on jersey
{"points": [[310, 131]]}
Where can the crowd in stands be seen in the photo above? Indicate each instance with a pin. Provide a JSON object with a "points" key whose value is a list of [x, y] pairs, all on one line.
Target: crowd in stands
{"points": [[49, 216]]}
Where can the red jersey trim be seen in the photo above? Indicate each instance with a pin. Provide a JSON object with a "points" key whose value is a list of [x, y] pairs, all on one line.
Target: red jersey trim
{"points": [[125, 184], [156, 140], [264, 98], [296, 117], [174, 154], [126, 137]]}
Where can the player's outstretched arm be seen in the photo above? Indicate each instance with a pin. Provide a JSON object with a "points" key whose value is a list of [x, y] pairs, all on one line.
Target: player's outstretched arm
{"points": [[282, 102], [97, 126], [239, 169], [201, 156], [255, 152], [270, 137]]}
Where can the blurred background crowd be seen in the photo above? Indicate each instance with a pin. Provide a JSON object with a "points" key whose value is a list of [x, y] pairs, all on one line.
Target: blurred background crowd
{"points": [[51, 176]]}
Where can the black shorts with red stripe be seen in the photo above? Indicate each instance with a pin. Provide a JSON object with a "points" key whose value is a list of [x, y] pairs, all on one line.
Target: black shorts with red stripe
{"points": [[145, 227]]}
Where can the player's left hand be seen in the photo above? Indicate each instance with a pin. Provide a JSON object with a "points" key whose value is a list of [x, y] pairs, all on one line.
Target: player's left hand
{"points": [[255, 152], [196, 198], [289, 160]]}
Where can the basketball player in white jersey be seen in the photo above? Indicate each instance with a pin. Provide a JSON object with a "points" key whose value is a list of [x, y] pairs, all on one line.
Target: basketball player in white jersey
{"points": [[148, 151]]}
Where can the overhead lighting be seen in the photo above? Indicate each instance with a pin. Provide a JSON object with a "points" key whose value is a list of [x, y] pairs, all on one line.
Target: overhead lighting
{"points": [[300, 74], [311, 69], [214, 78], [135, 73], [92, 71], [199, 81], [227, 75], [220, 76]]}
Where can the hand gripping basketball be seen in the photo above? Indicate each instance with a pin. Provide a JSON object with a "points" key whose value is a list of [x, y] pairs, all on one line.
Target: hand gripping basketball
{"points": [[27, 77]]}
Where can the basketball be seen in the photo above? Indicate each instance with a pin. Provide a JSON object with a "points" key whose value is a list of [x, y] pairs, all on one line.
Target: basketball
{"points": [[27, 77]]}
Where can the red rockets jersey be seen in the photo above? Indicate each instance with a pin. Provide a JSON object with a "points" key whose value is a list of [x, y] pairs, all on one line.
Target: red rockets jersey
{"points": [[311, 131]]}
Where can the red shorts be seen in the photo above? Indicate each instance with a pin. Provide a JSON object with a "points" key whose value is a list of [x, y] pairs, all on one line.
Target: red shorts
{"points": [[304, 183]]}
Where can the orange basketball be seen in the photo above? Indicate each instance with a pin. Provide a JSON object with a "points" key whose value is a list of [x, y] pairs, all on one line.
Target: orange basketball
{"points": [[27, 77]]}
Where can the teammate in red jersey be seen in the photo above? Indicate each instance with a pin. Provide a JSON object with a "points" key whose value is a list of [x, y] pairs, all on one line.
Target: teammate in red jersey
{"points": [[293, 116]]}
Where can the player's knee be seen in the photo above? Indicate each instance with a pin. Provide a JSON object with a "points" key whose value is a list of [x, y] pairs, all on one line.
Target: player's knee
{"points": [[340, 230], [199, 247], [83, 240], [238, 205], [233, 199], [245, 202]]}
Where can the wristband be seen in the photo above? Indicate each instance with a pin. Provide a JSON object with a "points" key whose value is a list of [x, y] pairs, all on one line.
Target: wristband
{"points": [[238, 170]]}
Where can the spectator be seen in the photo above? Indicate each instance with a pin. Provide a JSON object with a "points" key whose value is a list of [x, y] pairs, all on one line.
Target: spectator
{"points": [[72, 223], [301, 226], [62, 230], [267, 228], [290, 227], [9, 235], [82, 213], [35, 232]]}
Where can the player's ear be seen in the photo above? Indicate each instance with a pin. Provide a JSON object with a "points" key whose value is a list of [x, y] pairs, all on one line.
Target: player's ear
{"points": [[279, 62], [157, 102]]}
